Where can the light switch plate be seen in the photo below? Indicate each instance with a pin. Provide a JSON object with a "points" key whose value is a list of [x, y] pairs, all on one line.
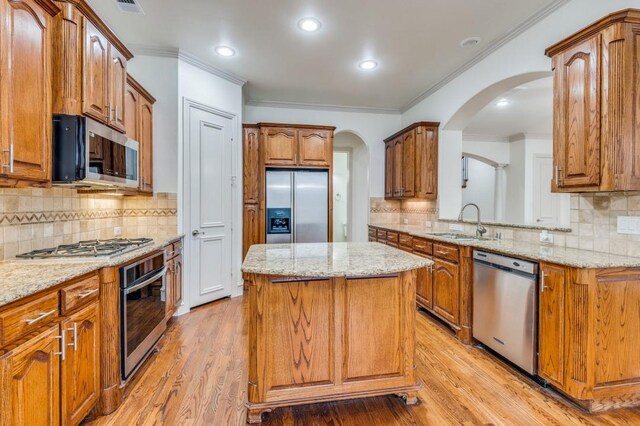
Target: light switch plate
{"points": [[427, 224], [546, 237], [629, 225], [117, 231], [405, 221], [456, 227]]}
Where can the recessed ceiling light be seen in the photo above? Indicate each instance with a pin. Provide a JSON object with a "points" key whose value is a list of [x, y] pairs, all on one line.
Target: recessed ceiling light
{"points": [[225, 51], [367, 65], [503, 103], [469, 42], [309, 24]]}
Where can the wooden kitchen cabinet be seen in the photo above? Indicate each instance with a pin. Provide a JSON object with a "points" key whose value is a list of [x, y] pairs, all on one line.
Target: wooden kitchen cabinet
{"points": [[81, 365], [139, 126], [90, 66], [411, 162], [30, 385], [551, 324], [424, 286], [251, 227], [297, 145], [446, 290], [173, 279], [251, 165], [596, 144], [25, 104]]}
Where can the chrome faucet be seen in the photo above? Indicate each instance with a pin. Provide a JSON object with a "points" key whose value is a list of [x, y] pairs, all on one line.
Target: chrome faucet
{"points": [[480, 229]]}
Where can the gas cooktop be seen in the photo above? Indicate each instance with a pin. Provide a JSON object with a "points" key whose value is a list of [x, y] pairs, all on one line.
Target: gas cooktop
{"points": [[91, 248]]}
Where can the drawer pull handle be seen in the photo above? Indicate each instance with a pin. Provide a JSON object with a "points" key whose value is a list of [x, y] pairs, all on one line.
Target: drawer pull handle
{"points": [[39, 317], [87, 293]]}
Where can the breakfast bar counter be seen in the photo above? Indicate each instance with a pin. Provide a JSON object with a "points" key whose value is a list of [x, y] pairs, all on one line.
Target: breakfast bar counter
{"points": [[330, 322]]}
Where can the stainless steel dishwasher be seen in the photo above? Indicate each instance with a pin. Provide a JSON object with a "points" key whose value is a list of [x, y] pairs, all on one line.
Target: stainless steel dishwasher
{"points": [[505, 302]]}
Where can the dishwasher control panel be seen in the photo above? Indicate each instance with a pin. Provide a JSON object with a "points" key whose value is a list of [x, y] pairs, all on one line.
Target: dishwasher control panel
{"points": [[506, 262]]}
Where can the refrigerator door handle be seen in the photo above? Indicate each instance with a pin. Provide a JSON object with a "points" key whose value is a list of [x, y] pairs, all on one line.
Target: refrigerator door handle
{"points": [[293, 208]]}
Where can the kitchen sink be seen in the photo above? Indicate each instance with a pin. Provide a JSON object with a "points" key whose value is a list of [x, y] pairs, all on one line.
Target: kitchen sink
{"points": [[459, 237]]}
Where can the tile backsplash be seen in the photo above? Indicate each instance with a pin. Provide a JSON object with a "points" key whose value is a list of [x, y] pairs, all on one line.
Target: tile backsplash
{"points": [[593, 221], [32, 219]]}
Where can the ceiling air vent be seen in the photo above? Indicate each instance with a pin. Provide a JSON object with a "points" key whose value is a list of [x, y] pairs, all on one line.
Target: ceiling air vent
{"points": [[129, 6]]}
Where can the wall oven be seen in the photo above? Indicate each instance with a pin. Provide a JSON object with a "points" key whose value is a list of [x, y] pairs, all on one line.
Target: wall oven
{"points": [[142, 309], [87, 153]]}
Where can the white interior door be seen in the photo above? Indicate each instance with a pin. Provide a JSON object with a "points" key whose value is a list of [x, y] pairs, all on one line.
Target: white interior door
{"points": [[546, 206], [210, 139]]}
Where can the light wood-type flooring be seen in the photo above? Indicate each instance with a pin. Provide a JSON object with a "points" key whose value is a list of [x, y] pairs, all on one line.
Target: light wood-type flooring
{"points": [[199, 377]]}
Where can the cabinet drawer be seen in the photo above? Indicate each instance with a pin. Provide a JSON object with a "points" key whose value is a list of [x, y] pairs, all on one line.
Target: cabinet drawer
{"points": [[382, 235], [406, 241], [79, 294], [177, 247], [372, 232], [422, 246], [392, 237], [445, 252], [22, 320]]}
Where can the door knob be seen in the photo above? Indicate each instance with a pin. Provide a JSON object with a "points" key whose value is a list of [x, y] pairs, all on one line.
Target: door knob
{"points": [[195, 233]]}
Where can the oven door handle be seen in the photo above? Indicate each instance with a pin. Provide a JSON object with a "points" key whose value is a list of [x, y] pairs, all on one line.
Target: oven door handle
{"points": [[162, 273]]}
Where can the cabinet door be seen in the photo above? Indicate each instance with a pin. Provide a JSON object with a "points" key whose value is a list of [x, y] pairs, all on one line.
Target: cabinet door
{"points": [[577, 115], [551, 324], [409, 164], [95, 80], [426, 162], [388, 169], [146, 145], [315, 147], [280, 146], [132, 112], [424, 285], [446, 290], [177, 282], [251, 225], [81, 366], [398, 159], [26, 91], [251, 166], [117, 86], [30, 385], [168, 289]]}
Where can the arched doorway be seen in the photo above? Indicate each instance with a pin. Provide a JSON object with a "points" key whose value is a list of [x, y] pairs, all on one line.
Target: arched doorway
{"points": [[350, 187]]}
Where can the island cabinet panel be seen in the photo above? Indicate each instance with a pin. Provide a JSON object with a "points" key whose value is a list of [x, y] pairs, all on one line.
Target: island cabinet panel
{"points": [[25, 105], [30, 381], [446, 290], [300, 343], [551, 324], [373, 332]]}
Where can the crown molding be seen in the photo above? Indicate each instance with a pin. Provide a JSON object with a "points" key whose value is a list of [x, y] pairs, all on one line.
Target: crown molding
{"points": [[183, 55], [497, 44], [322, 107]]}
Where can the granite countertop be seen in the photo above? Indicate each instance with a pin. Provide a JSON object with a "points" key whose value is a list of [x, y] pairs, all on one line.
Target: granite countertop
{"points": [[329, 260], [23, 277], [542, 252]]}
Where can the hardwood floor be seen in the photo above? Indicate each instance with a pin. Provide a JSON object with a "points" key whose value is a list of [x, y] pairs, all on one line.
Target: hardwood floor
{"points": [[199, 378]]}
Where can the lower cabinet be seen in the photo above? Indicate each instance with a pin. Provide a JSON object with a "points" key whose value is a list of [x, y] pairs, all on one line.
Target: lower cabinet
{"points": [[81, 364], [424, 286], [446, 290], [551, 324], [173, 282], [54, 377]]}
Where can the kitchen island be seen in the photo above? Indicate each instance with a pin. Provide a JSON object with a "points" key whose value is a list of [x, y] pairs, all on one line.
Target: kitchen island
{"points": [[330, 322]]}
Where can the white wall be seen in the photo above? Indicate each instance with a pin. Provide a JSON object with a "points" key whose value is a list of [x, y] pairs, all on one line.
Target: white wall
{"points": [[496, 151], [372, 128], [341, 195], [359, 177], [521, 55], [480, 190], [160, 77], [516, 183]]}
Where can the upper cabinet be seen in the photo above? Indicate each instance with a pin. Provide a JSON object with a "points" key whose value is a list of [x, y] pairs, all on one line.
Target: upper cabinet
{"points": [[138, 121], [411, 162], [25, 89], [90, 68], [306, 146], [251, 165], [596, 114]]}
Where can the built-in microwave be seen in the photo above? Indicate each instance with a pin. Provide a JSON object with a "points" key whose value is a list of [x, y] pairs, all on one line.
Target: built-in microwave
{"points": [[87, 153]]}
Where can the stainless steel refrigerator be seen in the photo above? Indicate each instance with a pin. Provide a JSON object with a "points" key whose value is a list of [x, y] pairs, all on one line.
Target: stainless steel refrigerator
{"points": [[297, 206]]}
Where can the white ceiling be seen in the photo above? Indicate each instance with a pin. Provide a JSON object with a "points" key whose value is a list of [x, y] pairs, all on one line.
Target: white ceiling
{"points": [[530, 110], [415, 41]]}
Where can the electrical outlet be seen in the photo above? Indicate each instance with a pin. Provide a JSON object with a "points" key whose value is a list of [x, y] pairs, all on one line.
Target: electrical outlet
{"points": [[405, 221], [117, 231], [427, 224], [546, 237], [456, 227], [629, 225]]}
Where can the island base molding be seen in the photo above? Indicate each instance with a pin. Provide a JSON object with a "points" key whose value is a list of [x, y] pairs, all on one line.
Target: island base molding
{"points": [[408, 394], [314, 340]]}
